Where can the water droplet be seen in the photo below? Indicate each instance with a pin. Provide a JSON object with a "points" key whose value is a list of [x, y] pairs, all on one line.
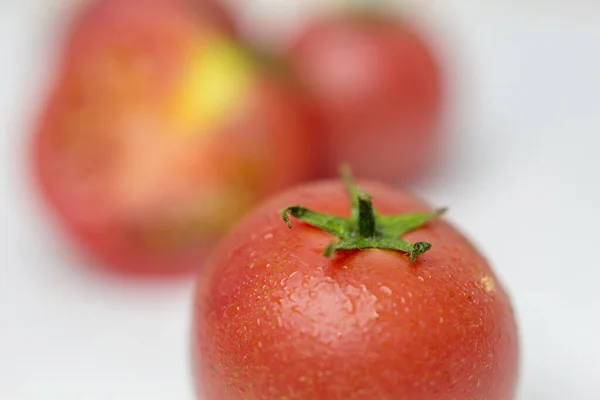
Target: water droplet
{"points": [[293, 274], [421, 279], [402, 300], [268, 236], [268, 265], [441, 320], [260, 344], [386, 290], [258, 321]]}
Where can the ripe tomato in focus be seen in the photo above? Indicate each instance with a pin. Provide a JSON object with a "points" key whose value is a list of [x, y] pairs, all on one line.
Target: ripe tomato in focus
{"points": [[380, 89], [274, 318], [159, 132]]}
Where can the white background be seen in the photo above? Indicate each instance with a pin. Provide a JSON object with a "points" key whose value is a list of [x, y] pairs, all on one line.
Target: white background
{"points": [[522, 180]]}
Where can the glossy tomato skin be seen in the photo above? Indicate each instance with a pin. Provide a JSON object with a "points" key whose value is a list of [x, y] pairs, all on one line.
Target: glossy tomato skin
{"points": [[140, 194], [379, 85], [275, 319]]}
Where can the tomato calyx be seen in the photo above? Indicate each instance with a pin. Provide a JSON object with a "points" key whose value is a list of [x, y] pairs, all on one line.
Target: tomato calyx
{"points": [[367, 12], [365, 228]]}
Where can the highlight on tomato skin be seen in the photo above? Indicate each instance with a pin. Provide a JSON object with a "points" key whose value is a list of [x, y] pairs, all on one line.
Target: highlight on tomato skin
{"points": [[159, 132], [380, 86], [276, 315]]}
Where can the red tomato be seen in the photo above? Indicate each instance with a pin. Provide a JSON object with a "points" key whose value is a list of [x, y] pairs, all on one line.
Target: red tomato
{"points": [[380, 89], [205, 11], [276, 319], [159, 133], [213, 10]]}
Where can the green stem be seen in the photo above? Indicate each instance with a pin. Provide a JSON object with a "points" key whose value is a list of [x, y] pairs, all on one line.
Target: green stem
{"points": [[366, 216], [365, 228], [368, 11]]}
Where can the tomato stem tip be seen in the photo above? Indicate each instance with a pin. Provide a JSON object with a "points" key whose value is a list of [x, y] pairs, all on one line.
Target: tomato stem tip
{"points": [[366, 215]]}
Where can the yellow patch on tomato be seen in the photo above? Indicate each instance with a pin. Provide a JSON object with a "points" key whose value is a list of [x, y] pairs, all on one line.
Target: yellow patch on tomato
{"points": [[217, 76]]}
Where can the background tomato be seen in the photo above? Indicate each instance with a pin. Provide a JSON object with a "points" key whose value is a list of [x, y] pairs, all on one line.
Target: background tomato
{"points": [[379, 86], [215, 11], [276, 319], [160, 132]]}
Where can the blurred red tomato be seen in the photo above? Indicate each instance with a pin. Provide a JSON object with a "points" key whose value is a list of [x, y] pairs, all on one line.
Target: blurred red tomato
{"points": [[161, 132], [213, 10], [205, 11], [379, 86]]}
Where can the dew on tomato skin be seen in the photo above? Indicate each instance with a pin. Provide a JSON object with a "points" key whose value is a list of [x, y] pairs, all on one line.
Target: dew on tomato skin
{"points": [[386, 290], [268, 236], [329, 280]]}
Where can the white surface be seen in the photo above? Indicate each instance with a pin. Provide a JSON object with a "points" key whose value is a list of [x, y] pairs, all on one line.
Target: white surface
{"points": [[522, 180]]}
